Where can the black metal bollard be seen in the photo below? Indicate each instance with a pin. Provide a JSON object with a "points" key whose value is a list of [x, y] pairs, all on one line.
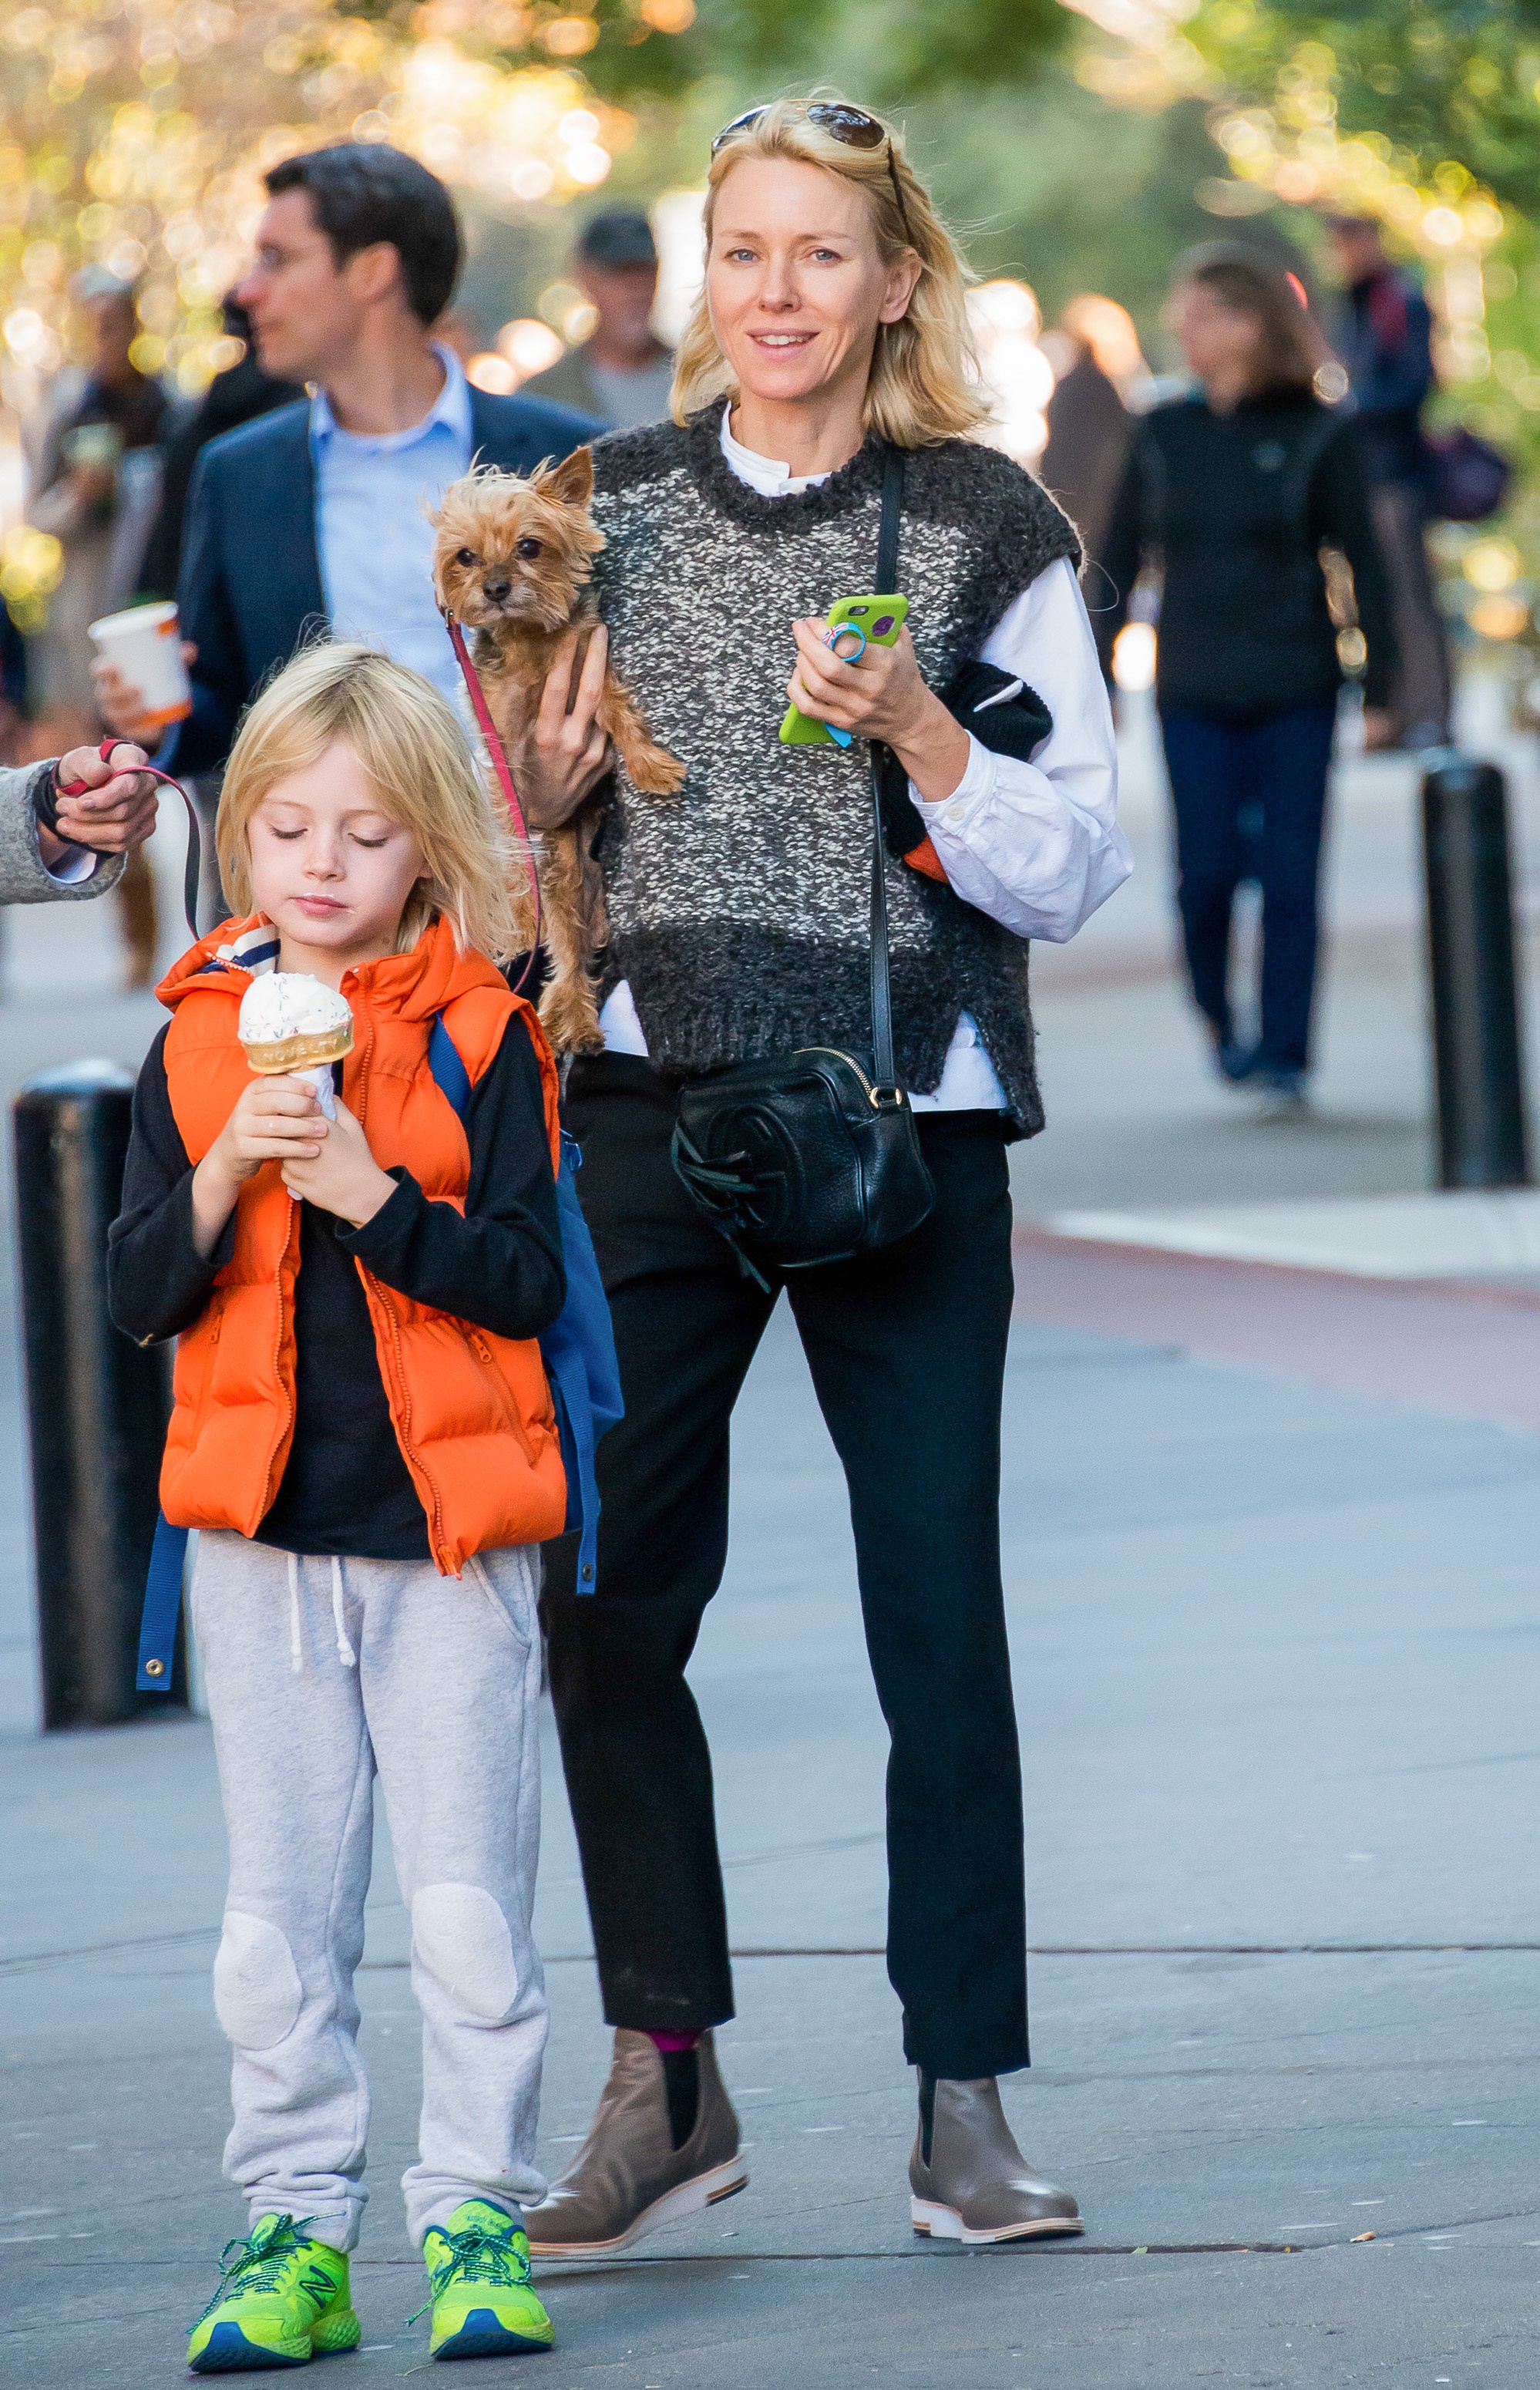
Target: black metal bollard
{"points": [[97, 1403], [1476, 1047]]}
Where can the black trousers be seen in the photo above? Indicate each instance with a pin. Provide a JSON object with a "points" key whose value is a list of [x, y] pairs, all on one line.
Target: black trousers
{"points": [[907, 1350]]}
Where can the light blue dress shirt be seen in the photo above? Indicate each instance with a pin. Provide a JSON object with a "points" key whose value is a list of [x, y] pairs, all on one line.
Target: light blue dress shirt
{"points": [[372, 536]]}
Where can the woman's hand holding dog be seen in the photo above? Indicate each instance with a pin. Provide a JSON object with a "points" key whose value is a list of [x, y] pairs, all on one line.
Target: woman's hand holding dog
{"points": [[881, 697], [279, 1118], [563, 755]]}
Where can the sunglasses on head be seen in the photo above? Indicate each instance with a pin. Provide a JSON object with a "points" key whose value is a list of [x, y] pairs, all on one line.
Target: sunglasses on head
{"points": [[851, 126]]}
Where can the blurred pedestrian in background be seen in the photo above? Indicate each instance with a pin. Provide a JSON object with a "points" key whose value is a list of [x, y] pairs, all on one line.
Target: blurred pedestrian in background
{"points": [[238, 394], [1235, 490], [1382, 332], [623, 372], [96, 489], [315, 514], [1094, 351]]}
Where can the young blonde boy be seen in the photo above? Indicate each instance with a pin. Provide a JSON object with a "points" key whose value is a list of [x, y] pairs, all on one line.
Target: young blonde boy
{"points": [[364, 1434]]}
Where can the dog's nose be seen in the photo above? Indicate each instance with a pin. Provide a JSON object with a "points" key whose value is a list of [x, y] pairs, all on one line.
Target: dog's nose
{"points": [[497, 590]]}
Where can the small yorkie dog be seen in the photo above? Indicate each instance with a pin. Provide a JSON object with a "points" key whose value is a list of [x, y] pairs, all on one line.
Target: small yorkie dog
{"points": [[512, 562]]}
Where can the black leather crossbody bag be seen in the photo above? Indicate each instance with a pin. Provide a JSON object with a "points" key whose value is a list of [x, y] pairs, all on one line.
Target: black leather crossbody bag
{"points": [[809, 1157]]}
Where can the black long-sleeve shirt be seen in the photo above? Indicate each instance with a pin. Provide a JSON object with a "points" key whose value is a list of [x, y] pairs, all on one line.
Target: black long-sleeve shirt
{"points": [[345, 1487], [1236, 508]]}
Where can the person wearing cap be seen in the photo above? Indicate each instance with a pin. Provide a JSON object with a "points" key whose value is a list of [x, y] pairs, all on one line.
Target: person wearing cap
{"points": [[623, 371]]}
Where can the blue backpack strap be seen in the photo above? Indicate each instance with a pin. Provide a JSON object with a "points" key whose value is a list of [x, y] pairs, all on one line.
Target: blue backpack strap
{"points": [[162, 1607], [450, 1075], [579, 1352], [578, 1348]]}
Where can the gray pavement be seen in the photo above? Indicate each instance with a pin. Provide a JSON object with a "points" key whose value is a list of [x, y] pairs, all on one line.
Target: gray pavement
{"points": [[1276, 1666]]}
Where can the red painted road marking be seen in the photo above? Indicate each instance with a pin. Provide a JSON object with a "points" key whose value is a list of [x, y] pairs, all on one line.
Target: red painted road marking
{"points": [[1443, 1344]]}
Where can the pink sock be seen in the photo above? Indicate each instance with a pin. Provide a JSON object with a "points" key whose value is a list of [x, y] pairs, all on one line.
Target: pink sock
{"points": [[667, 2043]]}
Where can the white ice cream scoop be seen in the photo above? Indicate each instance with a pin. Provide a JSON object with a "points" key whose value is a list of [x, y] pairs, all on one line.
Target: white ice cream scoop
{"points": [[292, 1023]]}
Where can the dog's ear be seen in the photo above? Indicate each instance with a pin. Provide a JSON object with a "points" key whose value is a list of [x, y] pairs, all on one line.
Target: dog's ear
{"points": [[571, 482]]}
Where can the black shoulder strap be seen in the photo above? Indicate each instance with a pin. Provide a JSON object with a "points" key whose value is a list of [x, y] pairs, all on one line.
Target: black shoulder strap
{"points": [[883, 1074]]}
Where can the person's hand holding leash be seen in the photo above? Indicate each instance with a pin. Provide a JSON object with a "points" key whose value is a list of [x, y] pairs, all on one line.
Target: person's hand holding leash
{"points": [[109, 807], [880, 695]]}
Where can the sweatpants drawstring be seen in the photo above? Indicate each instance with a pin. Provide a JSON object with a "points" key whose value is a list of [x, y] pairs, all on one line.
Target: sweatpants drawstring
{"points": [[345, 1652], [296, 1660]]}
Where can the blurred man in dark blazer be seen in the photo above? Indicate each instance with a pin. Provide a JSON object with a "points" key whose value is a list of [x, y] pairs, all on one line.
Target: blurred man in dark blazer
{"points": [[313, 515]]}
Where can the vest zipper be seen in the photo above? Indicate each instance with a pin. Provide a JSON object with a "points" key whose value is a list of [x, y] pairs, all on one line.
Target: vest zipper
{"points": [[500, 1390]]}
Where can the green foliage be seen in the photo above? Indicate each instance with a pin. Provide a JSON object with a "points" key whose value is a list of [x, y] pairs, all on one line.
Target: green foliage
{"points": [[881, 51], [1445, 80], [1010, 171]]}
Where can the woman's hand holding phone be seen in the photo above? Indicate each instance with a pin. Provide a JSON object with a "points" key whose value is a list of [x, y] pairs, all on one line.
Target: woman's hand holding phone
{"points": [[882, 696]]}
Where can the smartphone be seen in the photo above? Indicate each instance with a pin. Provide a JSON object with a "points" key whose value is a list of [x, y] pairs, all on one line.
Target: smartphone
{"points": [[880, 621]]}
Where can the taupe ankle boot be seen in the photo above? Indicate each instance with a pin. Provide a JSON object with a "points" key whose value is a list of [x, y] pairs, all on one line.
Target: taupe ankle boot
{"points": [[630, 2176], [969, 2180]]}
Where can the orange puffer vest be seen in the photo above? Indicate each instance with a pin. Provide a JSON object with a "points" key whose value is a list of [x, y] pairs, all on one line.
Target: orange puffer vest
{"points": [[472, 1412]]}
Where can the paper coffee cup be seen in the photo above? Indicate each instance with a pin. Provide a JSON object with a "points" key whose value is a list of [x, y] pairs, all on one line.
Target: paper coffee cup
{"points": [[144, 642]]}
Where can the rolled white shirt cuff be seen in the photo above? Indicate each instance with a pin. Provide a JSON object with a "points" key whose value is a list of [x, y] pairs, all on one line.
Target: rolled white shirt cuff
{"points": [[978, 780]]}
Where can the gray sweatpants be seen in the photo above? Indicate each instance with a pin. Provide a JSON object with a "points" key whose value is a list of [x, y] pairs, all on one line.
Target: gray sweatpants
{"points": [[319, 1673]]}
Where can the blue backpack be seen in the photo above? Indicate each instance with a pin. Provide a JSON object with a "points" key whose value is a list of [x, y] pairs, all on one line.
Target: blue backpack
{"points": [[578, 1353]]}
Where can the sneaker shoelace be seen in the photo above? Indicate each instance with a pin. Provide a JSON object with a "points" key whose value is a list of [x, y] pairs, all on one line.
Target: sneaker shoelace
{"points": [[263, 2258], [477, 2255]]}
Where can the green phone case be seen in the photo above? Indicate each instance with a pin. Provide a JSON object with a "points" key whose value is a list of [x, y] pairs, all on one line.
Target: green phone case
{"points": [[868, 613]]}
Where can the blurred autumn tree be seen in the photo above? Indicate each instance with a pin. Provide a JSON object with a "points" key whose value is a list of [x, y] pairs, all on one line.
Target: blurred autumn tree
{"points": [[134, 133]]}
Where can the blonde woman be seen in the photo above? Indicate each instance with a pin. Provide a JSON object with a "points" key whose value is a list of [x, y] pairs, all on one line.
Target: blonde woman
{"points": [[832, 323], [363, 1433]]}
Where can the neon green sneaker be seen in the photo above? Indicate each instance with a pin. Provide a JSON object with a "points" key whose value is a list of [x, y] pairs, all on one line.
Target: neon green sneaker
{"points": [[284, 2300], [479, 2266]]}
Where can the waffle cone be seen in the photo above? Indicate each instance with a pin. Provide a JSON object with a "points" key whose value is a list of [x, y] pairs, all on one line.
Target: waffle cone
{"points": [[299, 1053]]}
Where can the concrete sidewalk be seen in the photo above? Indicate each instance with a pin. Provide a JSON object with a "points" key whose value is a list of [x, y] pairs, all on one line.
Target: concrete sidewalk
{"points": [[1275, 1667]]}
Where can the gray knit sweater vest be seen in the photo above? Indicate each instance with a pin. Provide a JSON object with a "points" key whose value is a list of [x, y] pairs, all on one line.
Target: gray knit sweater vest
{"points": [[739, 914]]}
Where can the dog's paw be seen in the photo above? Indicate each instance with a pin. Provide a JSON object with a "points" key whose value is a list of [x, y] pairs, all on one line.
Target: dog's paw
{"points": [[570, 1016], [657, 773]]}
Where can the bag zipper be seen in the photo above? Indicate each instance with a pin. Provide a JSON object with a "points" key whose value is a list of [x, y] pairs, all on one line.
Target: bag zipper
{"points": [[874, 1096]]}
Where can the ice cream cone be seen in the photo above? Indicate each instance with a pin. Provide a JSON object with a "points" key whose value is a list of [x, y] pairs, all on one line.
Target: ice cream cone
{"points": [[268, 1057], [292, 1024]]}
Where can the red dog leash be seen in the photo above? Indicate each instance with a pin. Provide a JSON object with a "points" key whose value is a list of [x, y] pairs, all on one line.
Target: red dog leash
{"points": [[504, 779], [194, 870]]}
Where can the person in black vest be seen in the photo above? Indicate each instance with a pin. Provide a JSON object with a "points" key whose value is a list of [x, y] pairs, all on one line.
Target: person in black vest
{"points": [[1234, 491], [313, 514], [833, 319]]}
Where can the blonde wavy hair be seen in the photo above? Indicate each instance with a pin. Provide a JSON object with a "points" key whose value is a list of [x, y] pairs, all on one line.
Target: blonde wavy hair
{"points": [[925, 384], [415, 754]]}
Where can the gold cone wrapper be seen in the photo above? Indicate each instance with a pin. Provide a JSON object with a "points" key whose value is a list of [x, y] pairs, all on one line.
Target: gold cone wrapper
{"points": [[299, 1053]]}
